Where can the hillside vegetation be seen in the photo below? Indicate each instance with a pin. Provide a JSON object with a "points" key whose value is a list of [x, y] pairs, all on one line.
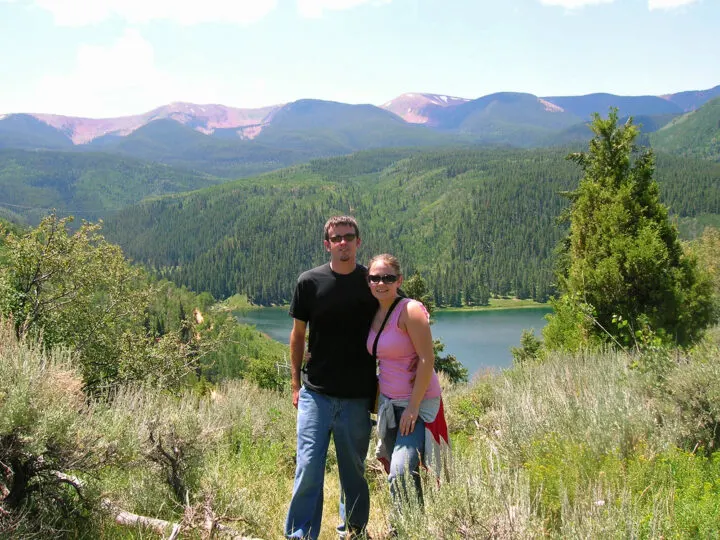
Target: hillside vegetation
{"points": [[86, 185], [695, 134], [471, 221]]}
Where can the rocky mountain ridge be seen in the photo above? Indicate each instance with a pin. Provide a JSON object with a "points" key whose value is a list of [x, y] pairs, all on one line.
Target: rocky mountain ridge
{"points": [[431, 110]]}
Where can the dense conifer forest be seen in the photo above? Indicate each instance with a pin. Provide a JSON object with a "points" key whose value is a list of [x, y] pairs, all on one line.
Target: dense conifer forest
{"points": [[472, 222]]}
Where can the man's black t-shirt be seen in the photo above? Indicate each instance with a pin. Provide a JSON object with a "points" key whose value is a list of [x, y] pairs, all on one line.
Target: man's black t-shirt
{"points": [[339, 309]]}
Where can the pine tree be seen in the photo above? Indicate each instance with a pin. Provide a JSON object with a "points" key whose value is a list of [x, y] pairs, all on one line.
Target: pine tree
{"points": [[623, 272]]}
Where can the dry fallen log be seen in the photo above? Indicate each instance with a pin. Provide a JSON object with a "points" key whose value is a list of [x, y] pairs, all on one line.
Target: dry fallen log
{"points": [[160, 526]]}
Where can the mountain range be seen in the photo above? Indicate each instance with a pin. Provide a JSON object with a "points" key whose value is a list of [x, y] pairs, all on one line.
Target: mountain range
{"points": [[433, 110], [513, 118], [50, 159]]}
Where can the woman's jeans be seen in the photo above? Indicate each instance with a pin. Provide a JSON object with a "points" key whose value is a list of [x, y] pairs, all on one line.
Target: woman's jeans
{"points": [[348, 420], [405, 461]]}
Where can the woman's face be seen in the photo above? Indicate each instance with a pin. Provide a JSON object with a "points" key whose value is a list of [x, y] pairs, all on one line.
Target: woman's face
{"points": [[379, 276]]}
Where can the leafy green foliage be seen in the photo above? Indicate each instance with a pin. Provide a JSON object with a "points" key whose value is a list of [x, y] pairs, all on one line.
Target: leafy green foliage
{"points": [[75, 289], [623, 261]]}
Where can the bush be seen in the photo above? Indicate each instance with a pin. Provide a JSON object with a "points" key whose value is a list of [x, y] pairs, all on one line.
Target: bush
{"points": [[530, 348], [691, 404], [46, 432]]}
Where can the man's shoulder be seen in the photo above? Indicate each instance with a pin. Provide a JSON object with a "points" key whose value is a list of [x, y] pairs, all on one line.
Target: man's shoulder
{"points": [[319, 271]]}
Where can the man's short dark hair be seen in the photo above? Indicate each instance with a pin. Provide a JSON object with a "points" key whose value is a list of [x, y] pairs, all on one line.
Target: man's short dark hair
{"points": [[341, 220]]}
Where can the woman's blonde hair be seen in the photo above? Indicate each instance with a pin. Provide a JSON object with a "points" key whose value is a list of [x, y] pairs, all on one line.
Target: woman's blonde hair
{"points": [[388, 259]]}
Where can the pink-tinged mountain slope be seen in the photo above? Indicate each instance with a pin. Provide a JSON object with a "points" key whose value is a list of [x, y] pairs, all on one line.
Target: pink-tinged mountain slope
{"points": [[203, 118], [421, 108]]}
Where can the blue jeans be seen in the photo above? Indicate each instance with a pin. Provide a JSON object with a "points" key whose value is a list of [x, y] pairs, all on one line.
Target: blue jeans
{"points": [[405, 461], [348, 420]]}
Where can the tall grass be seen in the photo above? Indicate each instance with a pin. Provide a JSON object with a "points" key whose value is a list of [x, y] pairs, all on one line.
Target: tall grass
{"points": [[584, 446]]}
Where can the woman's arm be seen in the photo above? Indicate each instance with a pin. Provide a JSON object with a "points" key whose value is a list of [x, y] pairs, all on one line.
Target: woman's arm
{"points": [[417, 326]]}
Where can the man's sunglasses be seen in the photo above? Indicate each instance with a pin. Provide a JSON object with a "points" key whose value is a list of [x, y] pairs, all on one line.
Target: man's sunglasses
{"points": [[385, 278], [349, 237]]}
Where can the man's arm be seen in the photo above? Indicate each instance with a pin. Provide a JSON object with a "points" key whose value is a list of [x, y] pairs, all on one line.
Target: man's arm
{"points": [[297, 352]]}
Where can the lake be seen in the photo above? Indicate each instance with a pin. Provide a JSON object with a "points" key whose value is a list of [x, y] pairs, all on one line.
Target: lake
{"points": [[478, 339]]}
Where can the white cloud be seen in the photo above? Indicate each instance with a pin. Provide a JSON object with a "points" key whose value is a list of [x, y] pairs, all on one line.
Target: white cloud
{"points": [[185, 12], [315, 8], [118, 80], [574, 4], [668, 4]]}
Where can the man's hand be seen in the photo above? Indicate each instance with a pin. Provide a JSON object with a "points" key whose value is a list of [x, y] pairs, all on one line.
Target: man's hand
{"points": [[296, 397]]}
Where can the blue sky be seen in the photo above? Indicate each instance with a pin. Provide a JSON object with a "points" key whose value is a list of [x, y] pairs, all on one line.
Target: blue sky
{"points": [[103, 58]]}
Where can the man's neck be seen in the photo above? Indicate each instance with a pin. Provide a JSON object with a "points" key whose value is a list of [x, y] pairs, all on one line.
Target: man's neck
{"points": [[343, 267]]}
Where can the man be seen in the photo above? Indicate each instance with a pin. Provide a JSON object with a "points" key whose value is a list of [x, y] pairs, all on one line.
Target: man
{"points": [[338, 383]]}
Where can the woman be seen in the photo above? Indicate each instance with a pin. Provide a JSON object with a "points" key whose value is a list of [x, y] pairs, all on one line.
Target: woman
{"points": [[411, 422]]}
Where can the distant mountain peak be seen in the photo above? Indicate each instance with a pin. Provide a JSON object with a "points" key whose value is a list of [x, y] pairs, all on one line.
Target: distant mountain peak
{"points": [[416, 108], [203, 118]]}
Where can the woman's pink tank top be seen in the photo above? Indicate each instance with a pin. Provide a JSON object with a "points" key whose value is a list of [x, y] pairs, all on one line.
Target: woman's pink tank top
{"points": [[397, 358]]}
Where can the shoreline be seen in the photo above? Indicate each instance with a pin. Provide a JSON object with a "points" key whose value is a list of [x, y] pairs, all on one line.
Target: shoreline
{"points": [[496, 304]]}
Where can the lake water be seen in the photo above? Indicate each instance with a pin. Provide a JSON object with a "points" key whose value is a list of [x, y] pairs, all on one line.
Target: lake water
{"points": [[478, 339]]}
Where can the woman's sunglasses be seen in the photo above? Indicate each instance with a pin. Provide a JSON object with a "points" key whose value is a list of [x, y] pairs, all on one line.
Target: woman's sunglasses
{"points": [[385, 278]]}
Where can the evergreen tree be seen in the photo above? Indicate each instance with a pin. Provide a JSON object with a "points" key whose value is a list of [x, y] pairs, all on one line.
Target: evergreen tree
{"points": [[623, 272], [416, 288]]}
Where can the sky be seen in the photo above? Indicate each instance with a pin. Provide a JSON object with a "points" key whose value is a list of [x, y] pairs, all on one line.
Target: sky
{"points": [[108, 58]]}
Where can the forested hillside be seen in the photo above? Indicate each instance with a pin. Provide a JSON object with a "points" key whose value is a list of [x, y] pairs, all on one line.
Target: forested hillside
{"points": [[170, 142], [86, 185], [695, 134], [472, 221]]}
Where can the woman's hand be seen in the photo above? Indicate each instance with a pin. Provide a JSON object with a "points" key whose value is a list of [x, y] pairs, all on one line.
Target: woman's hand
{"points": [[408, 420]]}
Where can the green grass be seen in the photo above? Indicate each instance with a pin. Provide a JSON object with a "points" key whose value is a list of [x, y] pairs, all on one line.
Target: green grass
{"points": [[581, 446]]}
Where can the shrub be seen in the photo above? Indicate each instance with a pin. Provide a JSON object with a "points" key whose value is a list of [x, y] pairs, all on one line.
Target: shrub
{"points": [[46, 435]]}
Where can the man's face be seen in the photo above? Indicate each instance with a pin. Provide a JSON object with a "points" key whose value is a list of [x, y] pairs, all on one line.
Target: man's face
{"points": [[341, 249]]}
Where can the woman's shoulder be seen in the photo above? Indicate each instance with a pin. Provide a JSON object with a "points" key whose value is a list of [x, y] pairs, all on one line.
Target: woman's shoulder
{"points": [[415, 308]]}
